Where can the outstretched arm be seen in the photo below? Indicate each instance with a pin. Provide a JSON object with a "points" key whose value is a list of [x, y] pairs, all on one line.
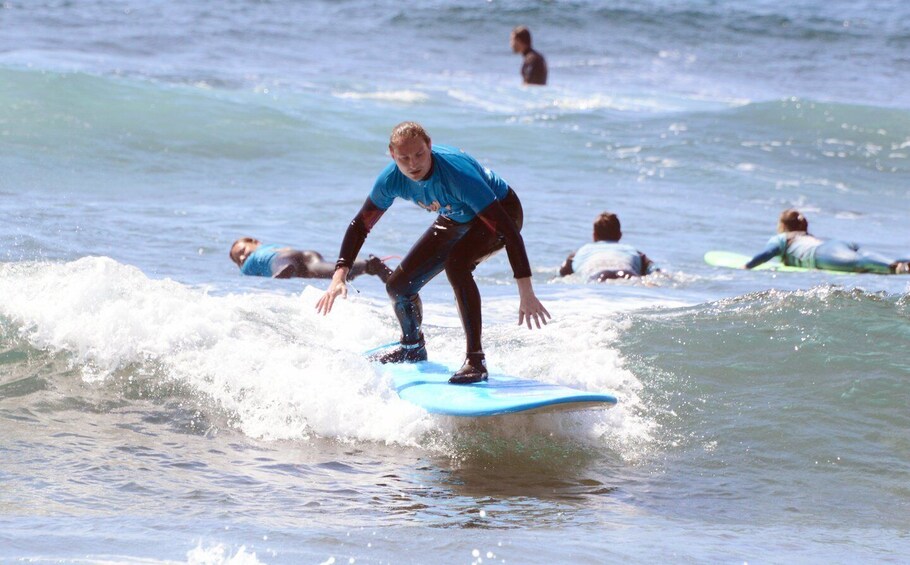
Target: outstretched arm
{"points": [[496, 218], [357, 233], [337, 287], [772, 250], [529, 307], [354, 237], [498, 221]]}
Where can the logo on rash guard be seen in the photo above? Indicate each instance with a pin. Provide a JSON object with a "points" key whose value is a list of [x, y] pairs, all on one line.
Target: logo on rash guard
{"points": [[435, 206]]}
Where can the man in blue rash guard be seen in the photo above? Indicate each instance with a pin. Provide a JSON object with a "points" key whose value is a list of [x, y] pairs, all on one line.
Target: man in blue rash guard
{"points": [[796, 247], [478, 214], [280, 262], [606, 258]]}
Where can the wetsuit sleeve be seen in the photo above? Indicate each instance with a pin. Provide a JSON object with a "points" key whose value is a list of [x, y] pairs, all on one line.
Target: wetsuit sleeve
{"points": [[495, 217], [772, 250], [357, 233], [647, 265], [567, 268]]}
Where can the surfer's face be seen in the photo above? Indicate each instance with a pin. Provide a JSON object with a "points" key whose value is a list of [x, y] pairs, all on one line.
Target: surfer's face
{"points": [[242, 249], [516, 44], [413, 157]]}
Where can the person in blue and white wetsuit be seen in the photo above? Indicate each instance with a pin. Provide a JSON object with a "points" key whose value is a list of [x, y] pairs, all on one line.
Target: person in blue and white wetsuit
{"points": [[606, 258], [282, 262], [478, 214], [796, 247]]}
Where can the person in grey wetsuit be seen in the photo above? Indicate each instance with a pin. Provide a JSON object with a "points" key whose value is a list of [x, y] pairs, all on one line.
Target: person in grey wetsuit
{"points": [[606, 258], [478, 214], [797, 247], [281, 262]]}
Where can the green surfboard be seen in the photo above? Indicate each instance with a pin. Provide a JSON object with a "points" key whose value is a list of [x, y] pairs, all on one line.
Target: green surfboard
{"points": [[737, 260]]}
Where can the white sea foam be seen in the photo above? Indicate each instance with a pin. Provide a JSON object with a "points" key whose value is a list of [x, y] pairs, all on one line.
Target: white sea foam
{"points": [[402, 96], [285, 372], [220, 555], [542, 104]]}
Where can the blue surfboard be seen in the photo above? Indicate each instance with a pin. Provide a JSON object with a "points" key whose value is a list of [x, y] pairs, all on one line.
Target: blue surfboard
{"points": [[426, 384]]}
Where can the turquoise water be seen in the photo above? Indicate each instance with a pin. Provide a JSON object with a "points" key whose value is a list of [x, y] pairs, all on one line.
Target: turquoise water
{"points": [[157, 407]]}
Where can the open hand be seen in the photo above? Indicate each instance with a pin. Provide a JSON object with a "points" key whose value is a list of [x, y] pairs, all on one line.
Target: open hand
{"points": [[338, 287], [529, 306]]}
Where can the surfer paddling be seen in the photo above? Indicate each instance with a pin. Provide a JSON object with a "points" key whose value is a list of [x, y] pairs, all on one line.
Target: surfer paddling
{"points": [[478, 214], [270, 260], [605, 258], [796, 247]]}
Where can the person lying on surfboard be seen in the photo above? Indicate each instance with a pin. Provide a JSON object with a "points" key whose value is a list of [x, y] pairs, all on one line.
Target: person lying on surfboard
{"points": [[283, 262], [478, 214], [796, 247], [606, 258]]}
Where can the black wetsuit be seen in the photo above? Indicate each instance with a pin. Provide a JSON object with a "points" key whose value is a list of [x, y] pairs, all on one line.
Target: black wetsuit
{"points": [[282, 262], [447, 245], [534, 68], [311, 265]]}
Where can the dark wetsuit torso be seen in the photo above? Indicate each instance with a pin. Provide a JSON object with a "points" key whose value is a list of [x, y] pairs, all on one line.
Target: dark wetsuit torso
{"points": [[283, 262], [534, 68], [308, 265]]}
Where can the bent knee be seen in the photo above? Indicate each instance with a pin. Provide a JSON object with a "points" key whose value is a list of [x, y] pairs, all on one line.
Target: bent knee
{"points": [[459, 269], [400, 284]]}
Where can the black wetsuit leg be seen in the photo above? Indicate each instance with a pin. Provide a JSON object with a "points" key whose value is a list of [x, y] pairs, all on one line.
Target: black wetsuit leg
{"points": [[478, 245], [425, 260], [457, 248]]}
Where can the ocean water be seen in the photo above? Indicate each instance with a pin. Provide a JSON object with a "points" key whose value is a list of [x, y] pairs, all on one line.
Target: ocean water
{"points": [[157, 407]]}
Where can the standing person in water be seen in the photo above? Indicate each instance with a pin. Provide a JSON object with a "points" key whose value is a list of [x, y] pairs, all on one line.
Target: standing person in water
{"points": [[533, 66], [796, 247], [606, 258], [280, 262], [479, 214]]}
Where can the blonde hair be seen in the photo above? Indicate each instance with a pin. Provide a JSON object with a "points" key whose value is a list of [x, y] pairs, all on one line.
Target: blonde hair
{"points": [[408, 130], [523, 34], [234, 245]]}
